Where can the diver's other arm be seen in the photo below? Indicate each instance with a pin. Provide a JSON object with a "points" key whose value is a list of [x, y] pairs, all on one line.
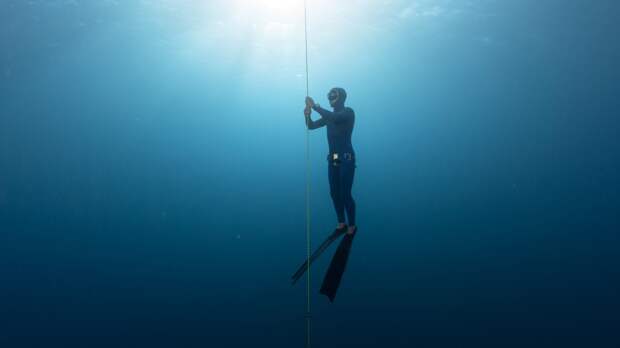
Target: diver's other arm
{"points": [[335, 117], [307, 111], [313, 124]]}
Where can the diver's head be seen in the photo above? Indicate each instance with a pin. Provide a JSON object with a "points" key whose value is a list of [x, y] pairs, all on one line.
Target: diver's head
{"points": [[336, 97]]}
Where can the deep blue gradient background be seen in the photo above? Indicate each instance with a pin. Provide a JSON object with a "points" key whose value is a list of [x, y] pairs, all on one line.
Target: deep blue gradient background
{"points": [[152, 192]]}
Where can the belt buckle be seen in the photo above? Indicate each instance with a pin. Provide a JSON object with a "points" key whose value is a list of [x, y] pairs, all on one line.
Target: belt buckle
{"points": [[335, 159]]}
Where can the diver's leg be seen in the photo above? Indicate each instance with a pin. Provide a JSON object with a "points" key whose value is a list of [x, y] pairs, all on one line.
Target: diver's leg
{"points": [[348, 173], [335, 190]]}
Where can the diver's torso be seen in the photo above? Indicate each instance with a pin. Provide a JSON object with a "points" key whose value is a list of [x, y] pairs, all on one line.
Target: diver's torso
{"points": [[339, 136]]}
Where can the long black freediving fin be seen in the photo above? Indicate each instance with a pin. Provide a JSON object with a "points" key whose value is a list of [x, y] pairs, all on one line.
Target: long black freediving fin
{"points": [[336, 269], [330, 239]]}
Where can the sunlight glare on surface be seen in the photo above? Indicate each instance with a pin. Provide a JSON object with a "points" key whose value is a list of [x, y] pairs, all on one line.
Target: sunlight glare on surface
{"points": [[266, 37]]}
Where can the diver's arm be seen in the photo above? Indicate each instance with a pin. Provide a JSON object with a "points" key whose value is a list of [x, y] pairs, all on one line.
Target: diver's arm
{"points": [[314, 124], [334, 117]]}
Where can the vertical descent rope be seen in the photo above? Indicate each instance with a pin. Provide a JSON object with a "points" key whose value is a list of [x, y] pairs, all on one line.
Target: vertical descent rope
{"points": [[308, 313]]}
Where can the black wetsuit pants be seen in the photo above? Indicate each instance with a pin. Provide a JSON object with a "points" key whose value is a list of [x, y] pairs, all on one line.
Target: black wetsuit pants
{"points": [[340, 184]]}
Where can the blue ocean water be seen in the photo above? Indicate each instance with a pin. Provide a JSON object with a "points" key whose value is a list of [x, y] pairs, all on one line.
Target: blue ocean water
{"points": [[153, 173]]}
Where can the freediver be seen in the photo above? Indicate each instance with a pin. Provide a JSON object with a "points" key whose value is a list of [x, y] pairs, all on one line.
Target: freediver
{"points": [[341, 157], [341, 170]]}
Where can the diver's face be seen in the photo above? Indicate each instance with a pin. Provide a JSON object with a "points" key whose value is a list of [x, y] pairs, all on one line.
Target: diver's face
{"points": [[333, 97]]}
